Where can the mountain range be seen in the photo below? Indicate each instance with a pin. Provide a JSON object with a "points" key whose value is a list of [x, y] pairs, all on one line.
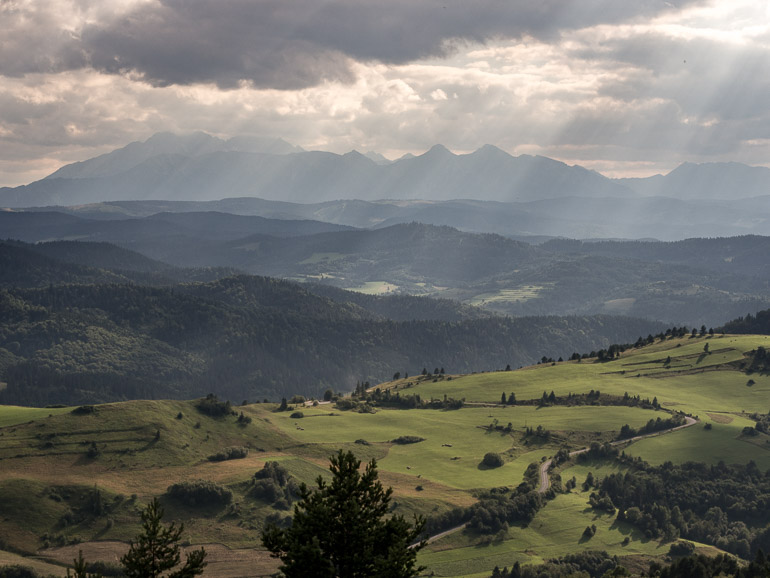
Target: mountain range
{"points": [[685, 282], [201, 167]]}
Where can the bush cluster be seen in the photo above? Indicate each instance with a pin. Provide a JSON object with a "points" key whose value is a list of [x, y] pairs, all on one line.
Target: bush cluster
{"points": [[232, 453], [200, 493]]}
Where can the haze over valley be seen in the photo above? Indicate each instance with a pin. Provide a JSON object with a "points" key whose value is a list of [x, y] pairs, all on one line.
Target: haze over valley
{"points": [[349, 289]]}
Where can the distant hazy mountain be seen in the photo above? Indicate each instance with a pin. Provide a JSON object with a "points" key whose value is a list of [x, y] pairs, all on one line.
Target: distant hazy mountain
{"points": [[515, 196], [579, 218], [160, 228], [705, 181], [201, 167], [193, 145]]}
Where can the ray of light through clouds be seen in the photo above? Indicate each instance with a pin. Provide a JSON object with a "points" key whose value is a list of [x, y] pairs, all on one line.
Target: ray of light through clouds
{"points": [[624, 88]]}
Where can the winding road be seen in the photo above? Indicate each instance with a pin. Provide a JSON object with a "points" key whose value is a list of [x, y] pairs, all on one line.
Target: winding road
{"points": [[545, 481]]}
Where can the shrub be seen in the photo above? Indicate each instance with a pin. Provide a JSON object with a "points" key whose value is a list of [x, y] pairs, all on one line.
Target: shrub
{"points": [[274, 485], [210, 405], [681, 548], [403, 440], [492, 460], [232, 453], [362, 442], [297, 415], [200, 493], [84, 410]]}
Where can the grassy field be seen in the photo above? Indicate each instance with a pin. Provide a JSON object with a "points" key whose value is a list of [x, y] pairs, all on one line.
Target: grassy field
{"points": [[455, 442], [316, 258], [517, 295], [49, 469], [14, 415], [693, 381], [374, 288], [556, 530]]}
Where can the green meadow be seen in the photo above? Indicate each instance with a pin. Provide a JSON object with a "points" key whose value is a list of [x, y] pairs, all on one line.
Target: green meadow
{"points": [[51, 459], [13, 414], [556, 530], [455, 440], [692, 381]]}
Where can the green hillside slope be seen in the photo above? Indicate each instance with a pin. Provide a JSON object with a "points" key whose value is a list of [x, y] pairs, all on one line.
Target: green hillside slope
{"points": [[83, 475]]}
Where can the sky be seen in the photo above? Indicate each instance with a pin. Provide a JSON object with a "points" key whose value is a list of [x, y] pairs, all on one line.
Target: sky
{"points": [[627, 88]]}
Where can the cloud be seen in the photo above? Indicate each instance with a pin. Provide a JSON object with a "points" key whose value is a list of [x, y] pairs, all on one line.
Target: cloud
{"points": [[284, 44]]}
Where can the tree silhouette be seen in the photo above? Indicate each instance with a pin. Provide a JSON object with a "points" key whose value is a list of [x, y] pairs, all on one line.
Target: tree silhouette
{"points": [[156, 550], [341, 529]]}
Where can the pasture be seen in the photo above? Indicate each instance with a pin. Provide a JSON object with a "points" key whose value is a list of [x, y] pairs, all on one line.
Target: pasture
{"points": [[132, 451]]}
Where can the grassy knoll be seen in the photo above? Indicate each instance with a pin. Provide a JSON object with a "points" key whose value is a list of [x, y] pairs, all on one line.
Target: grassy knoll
{"points": [[54, 461], [454, 441], [723, 442], [693, 381], [14, 415], [555, 531]]}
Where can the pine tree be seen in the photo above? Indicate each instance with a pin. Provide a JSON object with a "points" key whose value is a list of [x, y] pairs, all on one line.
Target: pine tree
{"points": [[156, 550], [341, 529]]}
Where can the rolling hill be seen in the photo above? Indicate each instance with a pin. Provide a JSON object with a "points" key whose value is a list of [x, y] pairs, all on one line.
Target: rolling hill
{"points": [[94, 466]]}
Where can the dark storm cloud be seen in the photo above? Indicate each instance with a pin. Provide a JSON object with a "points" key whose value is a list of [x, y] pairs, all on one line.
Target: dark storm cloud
{"points": [[298, 43]]}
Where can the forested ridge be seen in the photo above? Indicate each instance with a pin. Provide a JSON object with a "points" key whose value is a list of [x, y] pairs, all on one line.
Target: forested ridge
{"points": [[247, 337]]}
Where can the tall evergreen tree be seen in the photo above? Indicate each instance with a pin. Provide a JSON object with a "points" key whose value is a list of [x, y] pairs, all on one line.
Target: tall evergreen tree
{"points": [[341, 529], [156, 549]]}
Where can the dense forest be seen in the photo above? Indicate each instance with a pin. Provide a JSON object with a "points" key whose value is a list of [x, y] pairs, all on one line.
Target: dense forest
{"points": [[247, 338], [724, 505]]}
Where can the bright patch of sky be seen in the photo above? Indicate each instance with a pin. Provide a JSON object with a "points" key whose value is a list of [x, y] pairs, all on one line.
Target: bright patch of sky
{"points": [[627, 89]]}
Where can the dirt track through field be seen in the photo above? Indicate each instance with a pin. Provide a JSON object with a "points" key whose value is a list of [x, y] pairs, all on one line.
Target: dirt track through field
{"points": [[545, 481]]}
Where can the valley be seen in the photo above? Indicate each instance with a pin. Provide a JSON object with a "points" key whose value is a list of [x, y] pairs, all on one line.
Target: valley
{"points": [[142, 447], [563, 374]]}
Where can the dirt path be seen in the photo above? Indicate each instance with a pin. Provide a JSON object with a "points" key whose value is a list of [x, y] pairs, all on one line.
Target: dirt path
{"points": [[545, 481]]}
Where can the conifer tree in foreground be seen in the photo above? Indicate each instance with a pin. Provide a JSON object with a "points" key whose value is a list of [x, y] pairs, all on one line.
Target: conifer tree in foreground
{"points": [[156, 549], [341, 529]]}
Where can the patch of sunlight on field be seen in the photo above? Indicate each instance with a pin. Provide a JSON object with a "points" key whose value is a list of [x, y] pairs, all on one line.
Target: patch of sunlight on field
{"points": [[517, 295], [454, 441], [619, 306], [13, 414], [322, 258], [374, 288], [556, 530], [723, 442], [692, 381]]}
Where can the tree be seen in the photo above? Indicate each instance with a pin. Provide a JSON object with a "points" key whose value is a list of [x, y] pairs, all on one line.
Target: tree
{"points": [[341, 530], [80, 568], [156, 550]]}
